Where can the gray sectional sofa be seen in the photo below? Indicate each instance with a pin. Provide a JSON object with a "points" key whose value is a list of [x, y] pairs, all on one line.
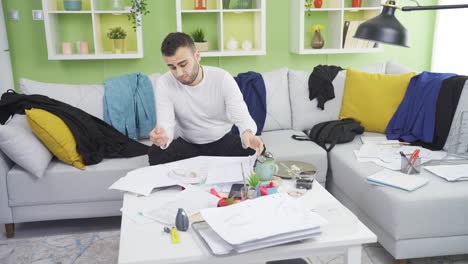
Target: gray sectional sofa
{"points": [[428, 222]]}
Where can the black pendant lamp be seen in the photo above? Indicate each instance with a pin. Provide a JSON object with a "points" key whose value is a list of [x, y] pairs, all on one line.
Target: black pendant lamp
{"points": [[385, 28]]}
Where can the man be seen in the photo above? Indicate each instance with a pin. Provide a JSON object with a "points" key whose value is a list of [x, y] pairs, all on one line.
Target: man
{"points": [[201, 104]]}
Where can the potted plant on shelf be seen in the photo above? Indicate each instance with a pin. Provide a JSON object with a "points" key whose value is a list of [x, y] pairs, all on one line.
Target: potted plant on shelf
{"points": [[117, 35], [198, 36], [139, 8]]}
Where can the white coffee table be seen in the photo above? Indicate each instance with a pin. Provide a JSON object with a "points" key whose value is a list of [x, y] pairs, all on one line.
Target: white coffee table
{"points": [[146, 243]]}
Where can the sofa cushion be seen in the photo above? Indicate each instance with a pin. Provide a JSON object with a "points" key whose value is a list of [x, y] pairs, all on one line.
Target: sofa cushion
{"points": [[283, 147], [305, 113], [438, 209], [19, 143], [372, 99], [86, 97], [395, 68], [62, 183], [56, 135], [277, 98]]}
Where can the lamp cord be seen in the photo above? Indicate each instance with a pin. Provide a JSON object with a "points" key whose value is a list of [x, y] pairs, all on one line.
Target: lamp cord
{"points": [[415, 2]]}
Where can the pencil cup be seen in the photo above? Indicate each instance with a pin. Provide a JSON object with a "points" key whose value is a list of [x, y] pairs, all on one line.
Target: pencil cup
{"points": [[413, 168]]}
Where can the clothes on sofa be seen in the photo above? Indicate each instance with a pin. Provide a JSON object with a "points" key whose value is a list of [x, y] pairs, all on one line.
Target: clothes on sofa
{"points": [[447, 103], [320, 83], [415, 118], [95, 139], [253, 90], [129, 105]]}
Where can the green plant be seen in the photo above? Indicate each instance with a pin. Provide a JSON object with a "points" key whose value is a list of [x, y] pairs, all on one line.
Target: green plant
{"points": [[116, 33], [198, 35], [317, 27], [253, 181], [308, 6], [139, 8]]}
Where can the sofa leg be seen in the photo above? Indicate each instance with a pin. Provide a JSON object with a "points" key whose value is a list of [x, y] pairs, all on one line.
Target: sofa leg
{"points": [[10, 230], [401, 261]]}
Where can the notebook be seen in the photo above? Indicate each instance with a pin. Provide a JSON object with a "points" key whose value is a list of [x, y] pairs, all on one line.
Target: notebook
{"points": [[397, 180]]}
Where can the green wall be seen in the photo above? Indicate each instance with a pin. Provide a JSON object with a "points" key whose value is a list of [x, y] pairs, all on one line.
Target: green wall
{"points": [[29, 52]]}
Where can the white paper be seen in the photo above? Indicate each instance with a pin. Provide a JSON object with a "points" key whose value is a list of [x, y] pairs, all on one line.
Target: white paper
{"points": [[202, 169], [450, 172], [192, 200], [264, 217]]}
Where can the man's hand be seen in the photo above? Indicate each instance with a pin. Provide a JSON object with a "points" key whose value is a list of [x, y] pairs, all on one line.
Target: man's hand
{"points": [[253, 142], [158, 136]]}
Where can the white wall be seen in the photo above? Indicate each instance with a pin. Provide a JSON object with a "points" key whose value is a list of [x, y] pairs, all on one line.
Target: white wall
{"points": [[6, 74]]}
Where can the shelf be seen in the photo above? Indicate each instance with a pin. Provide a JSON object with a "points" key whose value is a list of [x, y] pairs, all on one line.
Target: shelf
{"points": [[89, 25], [332, 16], [221, 26]]}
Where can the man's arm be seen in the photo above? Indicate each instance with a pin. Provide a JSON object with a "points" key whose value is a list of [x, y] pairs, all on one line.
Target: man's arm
{"points": [[165, 117]]}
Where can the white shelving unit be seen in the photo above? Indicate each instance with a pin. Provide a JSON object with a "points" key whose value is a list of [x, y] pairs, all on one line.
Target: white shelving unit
{"points": [[222, 24], [332, 15], [89, 25]]}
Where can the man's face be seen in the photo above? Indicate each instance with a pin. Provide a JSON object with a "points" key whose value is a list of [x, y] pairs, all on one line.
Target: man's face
{"points": [[184, 65]]}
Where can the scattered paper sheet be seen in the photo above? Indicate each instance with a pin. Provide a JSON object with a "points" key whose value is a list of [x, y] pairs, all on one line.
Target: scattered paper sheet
{"points": [[450, 172], [192, 200], [397, 180], [202, 169]]}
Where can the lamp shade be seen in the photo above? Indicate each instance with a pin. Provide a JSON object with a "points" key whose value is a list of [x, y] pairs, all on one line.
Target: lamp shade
{"points": [[384, 28]]}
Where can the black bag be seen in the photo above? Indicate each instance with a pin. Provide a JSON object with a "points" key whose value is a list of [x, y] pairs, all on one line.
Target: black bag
{"points": [[332, 132]]}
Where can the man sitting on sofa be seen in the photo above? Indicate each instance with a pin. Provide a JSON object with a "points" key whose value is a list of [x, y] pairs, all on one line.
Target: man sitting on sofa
{"points": [[204, 103]]}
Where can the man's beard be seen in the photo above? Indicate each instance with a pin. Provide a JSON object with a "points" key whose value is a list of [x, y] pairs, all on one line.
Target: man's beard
{"points": [[193, 77]]}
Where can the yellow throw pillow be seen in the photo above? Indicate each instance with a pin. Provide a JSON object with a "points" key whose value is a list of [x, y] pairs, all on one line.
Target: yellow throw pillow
{"points": [[56, 135], [372, 99]]}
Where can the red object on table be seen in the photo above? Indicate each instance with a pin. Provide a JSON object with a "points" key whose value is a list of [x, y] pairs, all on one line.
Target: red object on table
{"points": [[317, 3], [200, 4], [356, 3]]}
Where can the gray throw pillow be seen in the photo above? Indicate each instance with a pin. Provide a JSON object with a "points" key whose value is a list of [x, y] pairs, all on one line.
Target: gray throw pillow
{"points": [[19, 143]]}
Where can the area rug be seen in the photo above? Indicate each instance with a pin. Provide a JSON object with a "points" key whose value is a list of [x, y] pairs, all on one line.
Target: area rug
{"points": [[103, 247]]}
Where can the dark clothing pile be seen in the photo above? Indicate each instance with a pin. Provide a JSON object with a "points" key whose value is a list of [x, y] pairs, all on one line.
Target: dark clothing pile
{"points": [[320, 83], [95, 139]]}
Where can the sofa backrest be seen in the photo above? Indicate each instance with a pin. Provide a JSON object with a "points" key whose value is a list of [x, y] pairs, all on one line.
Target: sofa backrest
{"points": [[278, 115], [305, 113]]}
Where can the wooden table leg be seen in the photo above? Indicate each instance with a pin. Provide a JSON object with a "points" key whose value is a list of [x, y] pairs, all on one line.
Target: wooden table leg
{"points": [[10, 230]]}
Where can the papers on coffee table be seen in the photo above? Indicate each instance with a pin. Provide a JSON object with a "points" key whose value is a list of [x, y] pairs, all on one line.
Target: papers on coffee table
{"points": [[202, 169], [262, 222], [457, 172]]}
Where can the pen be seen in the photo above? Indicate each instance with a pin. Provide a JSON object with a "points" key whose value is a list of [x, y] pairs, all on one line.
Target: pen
{"points": [[406, 169]]}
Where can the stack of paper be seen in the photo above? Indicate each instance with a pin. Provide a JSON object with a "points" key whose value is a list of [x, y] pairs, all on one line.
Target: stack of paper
{"points": [[262, 222], [397, 180], [450, 172]]}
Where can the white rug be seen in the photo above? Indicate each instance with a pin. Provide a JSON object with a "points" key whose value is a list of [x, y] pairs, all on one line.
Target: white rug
{"points": [[103, 247]]}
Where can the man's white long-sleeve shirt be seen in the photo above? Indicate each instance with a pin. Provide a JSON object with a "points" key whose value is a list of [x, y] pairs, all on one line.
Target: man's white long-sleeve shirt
{"points": [[203, 113]]}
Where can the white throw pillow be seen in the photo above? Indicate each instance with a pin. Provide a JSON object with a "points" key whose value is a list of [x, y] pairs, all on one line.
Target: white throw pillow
{"points": [[86, 97], [305, 113], [395, 68], [19, 143], [277, 98], [154, 80]]}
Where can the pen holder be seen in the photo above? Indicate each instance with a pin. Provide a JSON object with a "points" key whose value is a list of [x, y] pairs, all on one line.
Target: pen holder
{"points": [[413, 168]]}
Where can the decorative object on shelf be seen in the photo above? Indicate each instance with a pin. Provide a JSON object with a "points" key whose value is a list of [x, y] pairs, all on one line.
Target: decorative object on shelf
{"points": [[198, 36], [374, 3], [226, 4], [318, 3], [116, 5], [232, 44], [199, 4], [308, 4], [139, 8], [72, 5], [82, 47], [244, 4], [356, 3], [66, 48], [387, 29], [317, 40], [117, 35], [247, 45]]}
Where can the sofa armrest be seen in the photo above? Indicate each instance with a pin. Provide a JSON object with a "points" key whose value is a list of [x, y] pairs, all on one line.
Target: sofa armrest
{"points": [[5, 210]]}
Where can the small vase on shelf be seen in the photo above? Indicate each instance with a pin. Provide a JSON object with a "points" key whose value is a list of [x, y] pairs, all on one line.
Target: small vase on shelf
{"points": [[317, 3], [317, 40], [356, 3]]}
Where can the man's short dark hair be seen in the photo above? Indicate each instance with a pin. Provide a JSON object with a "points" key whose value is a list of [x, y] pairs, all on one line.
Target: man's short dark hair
{"points": [[175, 40]]}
